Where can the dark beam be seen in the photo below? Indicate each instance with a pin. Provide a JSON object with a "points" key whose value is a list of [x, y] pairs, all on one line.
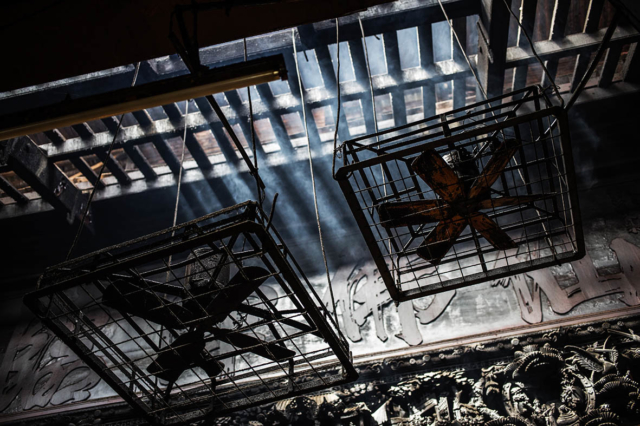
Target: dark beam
{"points": [[101, 50], [111, 124], [527, 19], [610, 64], [12, 192], [631, 67], [394, 69], [115, 168], [459, 84], [362, 77], [55, 136], [425, 42], [173, 111], [26, 159], [87, 171], [197, 152], [142, 117], [493, 35], [276, 121], [141, 162], [242, 112], [591, 24], [167, 154], [558, 26], [83, 130], [225, 145]]}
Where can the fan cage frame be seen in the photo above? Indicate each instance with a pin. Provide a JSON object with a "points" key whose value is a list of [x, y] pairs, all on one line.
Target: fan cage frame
{"points": [[70, 296], [376, 169]]}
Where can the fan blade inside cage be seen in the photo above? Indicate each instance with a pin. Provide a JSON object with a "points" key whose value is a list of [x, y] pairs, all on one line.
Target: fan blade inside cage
{"points": [[405, 213], [441, 239], [184, 353], [432, 168], [492, 232], [491, 203], [227, 299], [494, 167], [135, 300], [268, 350]]}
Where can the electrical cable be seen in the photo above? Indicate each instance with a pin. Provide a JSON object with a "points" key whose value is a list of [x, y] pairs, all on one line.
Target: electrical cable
{"points": [[313, 179], [104, 163], [335, 134], [261, 193]]}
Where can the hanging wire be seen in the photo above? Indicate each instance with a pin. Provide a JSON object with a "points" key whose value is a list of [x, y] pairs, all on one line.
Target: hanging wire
{"points": [[335, 134], [104, 163], [313, 179], [261, 193], [533, 50]]}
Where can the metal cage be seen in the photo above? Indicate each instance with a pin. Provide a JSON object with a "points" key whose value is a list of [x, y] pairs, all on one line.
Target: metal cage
{"points": [[477, 193], [196, 321]]}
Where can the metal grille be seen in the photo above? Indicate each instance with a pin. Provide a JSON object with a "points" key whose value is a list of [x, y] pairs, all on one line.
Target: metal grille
{"points": [[478, 193], [198, 320]]}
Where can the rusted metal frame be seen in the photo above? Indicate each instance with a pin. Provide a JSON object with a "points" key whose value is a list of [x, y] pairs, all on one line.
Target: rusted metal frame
{"points": [[370, 239], [138, 158], [333, 337], [85, 354], [114, 167], [12, 192], [493, 274], [591, 25], [84, 168], [611, 60], [438, 124], [26, 159], [527, 19], [558, 25], [489, 128]]}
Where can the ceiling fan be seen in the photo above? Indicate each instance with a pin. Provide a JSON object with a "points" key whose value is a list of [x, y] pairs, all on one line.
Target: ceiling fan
{"points": [[463, 192], [207, 298]]}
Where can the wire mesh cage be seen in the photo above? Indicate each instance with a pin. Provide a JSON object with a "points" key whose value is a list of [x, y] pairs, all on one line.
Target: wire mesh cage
{"points": [[196, 321], [478, 193]]}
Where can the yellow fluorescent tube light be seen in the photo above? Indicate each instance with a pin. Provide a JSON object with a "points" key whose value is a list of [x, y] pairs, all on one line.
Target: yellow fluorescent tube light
{"points": [[162, 92]]}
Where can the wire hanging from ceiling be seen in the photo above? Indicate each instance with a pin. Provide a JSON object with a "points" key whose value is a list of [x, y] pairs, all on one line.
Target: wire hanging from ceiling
{"points": [[104, 163], [313, 179]]}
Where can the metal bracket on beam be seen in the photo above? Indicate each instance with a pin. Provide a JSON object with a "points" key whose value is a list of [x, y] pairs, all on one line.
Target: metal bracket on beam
{"points": [[24, 157]]}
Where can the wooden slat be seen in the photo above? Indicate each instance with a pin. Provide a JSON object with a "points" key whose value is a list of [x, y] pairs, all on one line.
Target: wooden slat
{"points": [[55, 136], [172, 111], [12, 192], [114, 167], [558, 26], [87, 172], [527, 19], [141, 162], [222, 141], [610, 64], [143, 118], [631, 67], [237, 106], [362, 77], [197, 152], [167, 154], [111, 123], [277, 124], [591, 24], [83, 130]]}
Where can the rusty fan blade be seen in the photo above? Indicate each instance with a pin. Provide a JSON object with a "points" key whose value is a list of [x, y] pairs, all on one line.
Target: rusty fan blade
{"points": [[405, 213], [432, 168], [268, 350], [491, 232], [238, 289], [496, 164], [132, 299], [441, 239], [491, 203]]}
